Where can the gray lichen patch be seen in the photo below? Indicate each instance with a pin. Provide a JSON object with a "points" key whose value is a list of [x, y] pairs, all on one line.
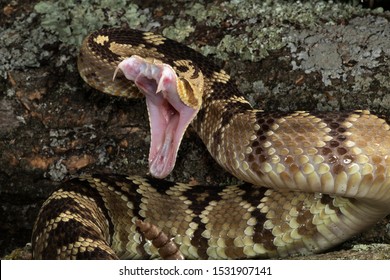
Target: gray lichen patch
{"points": [[22, 47], [340, 51], [73, 20], [181, 30], [66, 23], [253, 28], [8, 119], [57, 171]]}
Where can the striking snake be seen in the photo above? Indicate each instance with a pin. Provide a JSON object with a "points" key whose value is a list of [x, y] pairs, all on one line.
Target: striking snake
{"points": [[326, 176]]}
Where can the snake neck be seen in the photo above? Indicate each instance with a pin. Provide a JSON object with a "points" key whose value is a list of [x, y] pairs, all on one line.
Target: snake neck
{"points": [[311, 152]]}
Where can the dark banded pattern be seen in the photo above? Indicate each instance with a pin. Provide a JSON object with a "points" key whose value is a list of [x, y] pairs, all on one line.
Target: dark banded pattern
{"points": [[201, 222]]}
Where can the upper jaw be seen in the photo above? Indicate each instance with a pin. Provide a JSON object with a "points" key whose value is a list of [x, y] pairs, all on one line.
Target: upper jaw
{"points": [[169, 116]]}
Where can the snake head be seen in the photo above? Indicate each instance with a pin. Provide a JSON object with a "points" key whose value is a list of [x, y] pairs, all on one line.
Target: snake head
{"points": [[172, 104]]}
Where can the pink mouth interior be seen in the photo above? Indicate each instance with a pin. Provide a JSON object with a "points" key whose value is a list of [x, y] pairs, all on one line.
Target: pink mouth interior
{"points": [[169, 117]]}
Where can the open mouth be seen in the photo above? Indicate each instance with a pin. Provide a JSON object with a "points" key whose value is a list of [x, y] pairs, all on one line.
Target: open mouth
{"points": [[169, 117]]}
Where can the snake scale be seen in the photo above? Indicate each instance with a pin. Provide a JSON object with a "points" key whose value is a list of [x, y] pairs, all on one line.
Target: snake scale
{"points": [[312, 179]]}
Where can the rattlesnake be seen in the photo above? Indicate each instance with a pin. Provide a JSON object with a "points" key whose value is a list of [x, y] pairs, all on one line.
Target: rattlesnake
{"points": [[326, 176]]}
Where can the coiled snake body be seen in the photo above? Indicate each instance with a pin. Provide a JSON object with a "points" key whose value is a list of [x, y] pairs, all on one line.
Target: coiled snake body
{"points": [[313, 179]]}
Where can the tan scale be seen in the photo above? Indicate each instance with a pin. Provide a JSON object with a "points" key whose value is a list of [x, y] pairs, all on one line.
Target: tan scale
{"points": [[101, 39], [154, 39]]}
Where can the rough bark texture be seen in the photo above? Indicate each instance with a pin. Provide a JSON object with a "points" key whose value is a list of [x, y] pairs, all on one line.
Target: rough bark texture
{"points": [[53, 126]]}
